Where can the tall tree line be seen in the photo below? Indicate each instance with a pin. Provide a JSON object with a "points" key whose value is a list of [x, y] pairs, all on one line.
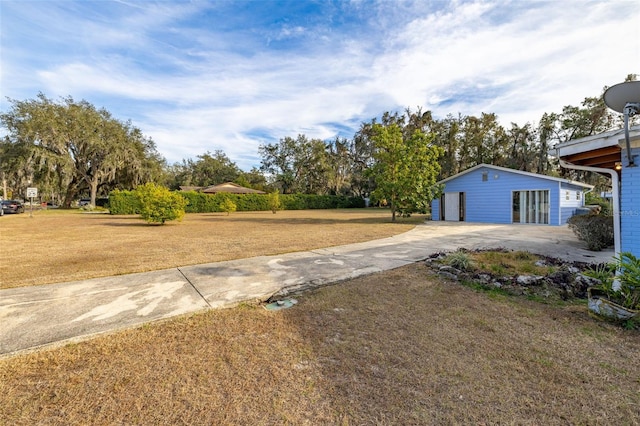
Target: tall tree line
{"points": [[71, 148], [340, 166], [212, 169]]}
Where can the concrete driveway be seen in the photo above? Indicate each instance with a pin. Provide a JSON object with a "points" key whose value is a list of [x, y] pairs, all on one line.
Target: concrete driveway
{"points": [[41, 316]]}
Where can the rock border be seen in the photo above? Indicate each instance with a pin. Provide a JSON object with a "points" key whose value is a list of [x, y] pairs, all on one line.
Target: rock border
{"points": [[566, 283]]}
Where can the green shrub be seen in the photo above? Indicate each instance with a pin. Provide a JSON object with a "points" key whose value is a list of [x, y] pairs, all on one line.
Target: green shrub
{"points": [[603, 272], [158, 204], [207, 203], [292, 202], [228, 206], [201, 203], [459, 260], [595, 230], [274, 202], [310, 201], [629, 276], [123, 202], [620, 281], [593, 199], [126, 202]]}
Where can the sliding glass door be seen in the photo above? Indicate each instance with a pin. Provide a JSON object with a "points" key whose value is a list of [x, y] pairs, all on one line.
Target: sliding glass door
{"points": [[531, 207]]}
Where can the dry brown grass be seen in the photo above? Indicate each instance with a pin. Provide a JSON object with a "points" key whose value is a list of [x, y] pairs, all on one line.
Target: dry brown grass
{"points": [[400, 348], [56, 246]]}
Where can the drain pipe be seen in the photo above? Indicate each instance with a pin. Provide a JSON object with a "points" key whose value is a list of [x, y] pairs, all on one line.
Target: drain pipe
{"points": [[615, 185]]}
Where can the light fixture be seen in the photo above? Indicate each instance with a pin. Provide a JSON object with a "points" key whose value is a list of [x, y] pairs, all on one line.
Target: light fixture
{"points": [[618, 165], [625, 98]]}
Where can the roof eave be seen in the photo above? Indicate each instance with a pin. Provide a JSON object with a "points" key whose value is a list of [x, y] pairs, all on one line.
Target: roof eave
{"points": [[591, 143], [508, 170]]}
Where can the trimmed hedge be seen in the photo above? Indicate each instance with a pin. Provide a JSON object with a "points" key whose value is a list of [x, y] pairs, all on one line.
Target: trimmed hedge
{"points": [[205, 203], [307, 201], [125, 202], [595, 230]]}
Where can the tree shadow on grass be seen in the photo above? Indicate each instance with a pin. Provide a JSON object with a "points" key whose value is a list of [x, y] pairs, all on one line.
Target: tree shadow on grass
{"points": [[274, 219], [138, 224]]}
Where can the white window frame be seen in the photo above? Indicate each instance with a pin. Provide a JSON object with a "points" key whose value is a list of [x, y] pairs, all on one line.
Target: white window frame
{"points": [[537, 204]]}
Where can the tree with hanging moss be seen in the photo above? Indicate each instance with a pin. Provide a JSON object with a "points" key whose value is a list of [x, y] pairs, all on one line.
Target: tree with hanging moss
{"points": [[72, 147]]}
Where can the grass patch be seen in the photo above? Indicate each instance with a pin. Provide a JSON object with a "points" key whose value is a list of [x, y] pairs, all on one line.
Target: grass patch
{"points": [[509, 262], [68, 245], [498, 262], [491, 290], [399, 347]]}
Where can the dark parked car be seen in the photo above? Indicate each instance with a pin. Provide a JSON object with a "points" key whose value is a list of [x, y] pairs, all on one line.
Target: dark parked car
{"points": [[12, 206]]}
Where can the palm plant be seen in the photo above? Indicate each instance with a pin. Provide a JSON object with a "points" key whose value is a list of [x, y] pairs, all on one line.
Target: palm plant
{"points": [[629, 278], [620, 282]]}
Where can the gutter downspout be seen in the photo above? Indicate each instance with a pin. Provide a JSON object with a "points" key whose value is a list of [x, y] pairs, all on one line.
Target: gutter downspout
{"points": [[615, 186]]}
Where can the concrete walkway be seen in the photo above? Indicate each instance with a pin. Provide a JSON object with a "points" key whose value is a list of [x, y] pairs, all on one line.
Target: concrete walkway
{"points": [[40, 316]]}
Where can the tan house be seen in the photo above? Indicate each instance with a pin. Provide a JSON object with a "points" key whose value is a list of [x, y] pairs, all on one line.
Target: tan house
{"points": [[227, 187]]}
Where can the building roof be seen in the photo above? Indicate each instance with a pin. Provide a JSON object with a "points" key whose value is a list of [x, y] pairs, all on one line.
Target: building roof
{"points": [[232, 188], [520, 172], [191, 188], [601, 150]]}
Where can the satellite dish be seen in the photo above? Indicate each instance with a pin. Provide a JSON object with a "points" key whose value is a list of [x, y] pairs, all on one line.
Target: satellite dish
{"points": [[618, 96], [625, 98]]}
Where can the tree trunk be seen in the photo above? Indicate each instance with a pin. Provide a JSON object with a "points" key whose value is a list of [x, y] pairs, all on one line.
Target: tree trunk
{"points": [[70, 193], [4, 187], [94, 191]]}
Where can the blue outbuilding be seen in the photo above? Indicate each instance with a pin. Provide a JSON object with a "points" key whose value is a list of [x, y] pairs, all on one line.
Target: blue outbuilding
{"points": [[493, 194]]}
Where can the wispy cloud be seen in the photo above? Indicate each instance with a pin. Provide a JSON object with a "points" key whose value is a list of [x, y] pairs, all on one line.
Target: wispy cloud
{"points": [[200, 76]]}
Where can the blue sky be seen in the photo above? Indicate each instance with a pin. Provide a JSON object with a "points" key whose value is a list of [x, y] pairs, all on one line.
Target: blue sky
{"points": [[201, 76]]}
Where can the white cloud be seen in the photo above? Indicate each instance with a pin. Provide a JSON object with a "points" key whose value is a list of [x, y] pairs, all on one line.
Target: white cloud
{"points": [[539, 59]]}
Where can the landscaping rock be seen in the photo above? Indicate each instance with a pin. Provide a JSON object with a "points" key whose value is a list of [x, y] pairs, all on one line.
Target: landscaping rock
{"points": [[448, 275], [529, 280], [581, 283], [565, 283], [449, 269], [483, 278], [560, 277], [589, 281]]}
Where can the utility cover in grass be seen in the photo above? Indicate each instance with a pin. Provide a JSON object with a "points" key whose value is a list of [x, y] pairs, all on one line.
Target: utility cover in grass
{"points": [[280, 304]]}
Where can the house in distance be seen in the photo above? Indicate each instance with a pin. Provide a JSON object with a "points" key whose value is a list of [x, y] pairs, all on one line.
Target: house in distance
{"points": [[493, 194], [227, 187]]}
